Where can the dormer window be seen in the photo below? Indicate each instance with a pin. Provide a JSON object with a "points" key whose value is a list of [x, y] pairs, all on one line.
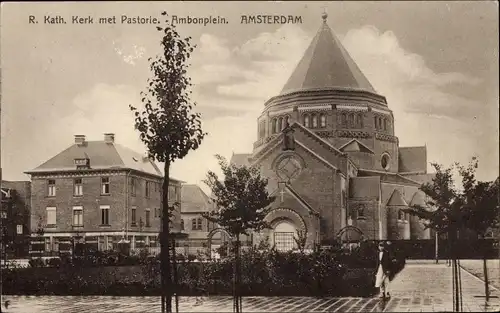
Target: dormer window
{"points": [[83, 163]]}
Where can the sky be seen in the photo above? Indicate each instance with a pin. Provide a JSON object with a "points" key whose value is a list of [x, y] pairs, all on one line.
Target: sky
{"points": [[435, 62]]}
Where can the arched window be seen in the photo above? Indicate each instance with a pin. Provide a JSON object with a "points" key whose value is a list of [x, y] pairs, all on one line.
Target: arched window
{"points": [[401, 215], [343, 120], [287, 121], [182, 224], [360, 120], [385, 124], [380, 122], [314, 121], [273, 127], [322, 120], [193, 224], [376, 122], [306, 121], [351, 120], [280, 124], [388, 125], [284, 234]]}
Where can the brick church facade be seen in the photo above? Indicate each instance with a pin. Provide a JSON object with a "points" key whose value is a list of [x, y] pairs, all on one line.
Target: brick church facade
{"points": [[328, 146]]}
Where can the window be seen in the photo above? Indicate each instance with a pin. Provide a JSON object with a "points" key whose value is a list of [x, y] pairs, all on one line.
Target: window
{"points": [[306, 121], [380, 122], [193, 224], [280, 124], [351, 120], [361, 212], [376, 122], [385, 162], [322, 120], [401, 215], [55, 244], [77, 216], [133, 186], [133, 217], [105, 186], [314, 121], [199, 223], [359, 122], [51, 192], [19, 229], [51, 216], [171, 192], [385, 124], [48, 246], [148, 218], [146, 190], [78, 187], [104, 214], [273, 126], [287, 121], [182, 224]]}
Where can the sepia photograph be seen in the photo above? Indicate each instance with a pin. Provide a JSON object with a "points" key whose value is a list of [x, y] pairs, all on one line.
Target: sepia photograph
{"points": [[249, 156]]}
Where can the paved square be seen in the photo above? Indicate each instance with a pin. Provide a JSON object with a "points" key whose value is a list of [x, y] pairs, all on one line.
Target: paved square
{"points": [[418, 288]]}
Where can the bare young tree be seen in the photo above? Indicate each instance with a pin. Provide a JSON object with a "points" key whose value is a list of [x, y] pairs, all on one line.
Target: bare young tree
{"points": [[168, 127]]}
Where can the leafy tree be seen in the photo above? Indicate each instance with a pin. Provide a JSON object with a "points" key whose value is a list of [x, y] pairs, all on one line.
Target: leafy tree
{"points": [[481, 207], [168, 127], [449, 210], [242, 202]]}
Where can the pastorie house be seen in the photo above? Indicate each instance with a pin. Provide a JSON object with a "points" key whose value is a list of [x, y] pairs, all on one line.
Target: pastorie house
{"points": [[94, 194]]}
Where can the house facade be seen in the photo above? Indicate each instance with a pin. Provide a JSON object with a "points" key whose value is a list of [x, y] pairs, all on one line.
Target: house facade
{"points": [[328, 145], [94, 194], [15, 215]]}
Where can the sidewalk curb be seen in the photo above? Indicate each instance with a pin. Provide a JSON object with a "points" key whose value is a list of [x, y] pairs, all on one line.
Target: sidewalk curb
{"points": [[481, 280]]}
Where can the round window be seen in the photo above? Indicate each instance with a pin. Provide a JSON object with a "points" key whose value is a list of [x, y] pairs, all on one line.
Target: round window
{"points": [[385, 162]]}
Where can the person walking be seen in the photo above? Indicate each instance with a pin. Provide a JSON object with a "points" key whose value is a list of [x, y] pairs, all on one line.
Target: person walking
{"points": [[384, 270]]}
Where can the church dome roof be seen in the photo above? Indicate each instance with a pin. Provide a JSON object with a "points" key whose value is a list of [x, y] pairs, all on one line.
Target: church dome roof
{"points": [[326, 64]]}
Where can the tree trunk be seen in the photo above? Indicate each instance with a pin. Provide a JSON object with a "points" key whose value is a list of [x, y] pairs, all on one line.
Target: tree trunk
{"points": [[176, 277], [437, 247], [166, 277], [485, 270], [238, 274]]}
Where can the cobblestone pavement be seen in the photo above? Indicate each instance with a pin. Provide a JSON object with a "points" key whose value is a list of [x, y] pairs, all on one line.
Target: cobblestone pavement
{"points": [[419, 288]]}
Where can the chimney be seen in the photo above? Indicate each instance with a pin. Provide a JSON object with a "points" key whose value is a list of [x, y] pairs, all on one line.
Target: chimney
{"points": [[109, 138], [80, 140]]}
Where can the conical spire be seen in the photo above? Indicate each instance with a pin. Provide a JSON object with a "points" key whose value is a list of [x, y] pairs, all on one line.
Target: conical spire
{"points": [[326, 64]]}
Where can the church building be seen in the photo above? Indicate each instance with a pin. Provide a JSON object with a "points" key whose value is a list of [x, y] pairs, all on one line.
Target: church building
{"points": [[327, 144]]}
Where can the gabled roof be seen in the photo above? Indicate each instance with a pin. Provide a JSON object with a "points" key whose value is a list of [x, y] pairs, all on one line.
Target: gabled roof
{"points": [[194, 199], [102, 155], [418, 200], [297, 197], [326, 64], [413, 159], [355, 146], [240, 159], [396, 199]]}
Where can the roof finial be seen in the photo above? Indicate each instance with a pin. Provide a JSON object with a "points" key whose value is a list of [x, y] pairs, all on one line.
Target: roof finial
{"points": [[324, 15]]}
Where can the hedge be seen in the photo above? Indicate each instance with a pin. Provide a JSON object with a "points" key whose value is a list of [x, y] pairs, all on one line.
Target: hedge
{"points": [[333, 272]]}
